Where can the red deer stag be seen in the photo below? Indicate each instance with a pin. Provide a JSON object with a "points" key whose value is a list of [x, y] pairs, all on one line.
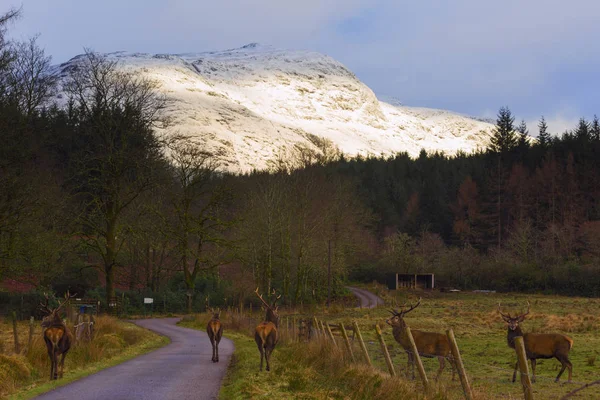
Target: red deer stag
{"points": [[539, 345], [266, 332], [214, 329], [57, 336], [429, 344]]}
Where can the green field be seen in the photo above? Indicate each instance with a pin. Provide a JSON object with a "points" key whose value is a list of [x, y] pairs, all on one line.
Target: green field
{"points": [[480, 333]]}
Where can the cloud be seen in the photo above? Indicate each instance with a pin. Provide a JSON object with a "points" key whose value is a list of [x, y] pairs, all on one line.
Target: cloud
{"points": [[466, 55]]}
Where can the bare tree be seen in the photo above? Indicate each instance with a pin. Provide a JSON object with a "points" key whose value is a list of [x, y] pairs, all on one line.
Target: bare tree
{"points": [[31, 84], [117, 151], [198, 200]]}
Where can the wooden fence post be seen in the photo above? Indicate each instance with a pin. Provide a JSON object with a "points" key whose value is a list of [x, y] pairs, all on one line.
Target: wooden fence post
{"points": [[459, 365], [347, 341], [361, 342], [294, 328], [384, 349], [417, 358], [523, 367], [323, 331], [31, 327], [331, 334], [316, 327], [15, 333]]}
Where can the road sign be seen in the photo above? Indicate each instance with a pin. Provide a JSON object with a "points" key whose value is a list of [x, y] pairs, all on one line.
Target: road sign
{"points": [[148, 300]]}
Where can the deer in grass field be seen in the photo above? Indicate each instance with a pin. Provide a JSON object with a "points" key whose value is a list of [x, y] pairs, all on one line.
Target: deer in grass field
{"points": [[214, 329], [539, 345], [265, 335], [57, 336], [429, 344]]}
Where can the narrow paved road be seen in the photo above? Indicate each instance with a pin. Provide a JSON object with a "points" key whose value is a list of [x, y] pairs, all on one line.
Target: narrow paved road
{"points": [[366, 298], [180, 370]]}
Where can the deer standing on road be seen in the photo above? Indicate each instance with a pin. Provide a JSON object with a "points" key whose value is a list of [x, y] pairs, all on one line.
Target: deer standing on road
{"points": [[214, 329], [57, 336], [539, 345], [429, 344], [266, 336]]}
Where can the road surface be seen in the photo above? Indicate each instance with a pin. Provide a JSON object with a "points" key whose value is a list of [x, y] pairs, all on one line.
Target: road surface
{"points": [[366, 298], [180, 370]]}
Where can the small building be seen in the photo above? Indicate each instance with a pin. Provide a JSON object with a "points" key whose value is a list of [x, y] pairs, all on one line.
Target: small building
{"points": [[411, 281]]}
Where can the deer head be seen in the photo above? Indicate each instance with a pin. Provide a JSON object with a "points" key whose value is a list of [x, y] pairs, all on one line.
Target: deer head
{"points": [[397, 319], [272, 308], [216, 313], [53, 315], [513, 322]]}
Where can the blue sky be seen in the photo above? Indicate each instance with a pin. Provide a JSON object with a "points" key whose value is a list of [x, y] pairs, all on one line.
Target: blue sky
{"points": [[470, 56]]}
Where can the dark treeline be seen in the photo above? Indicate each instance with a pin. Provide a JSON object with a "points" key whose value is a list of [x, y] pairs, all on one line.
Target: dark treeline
{"points": [[92, 196]]}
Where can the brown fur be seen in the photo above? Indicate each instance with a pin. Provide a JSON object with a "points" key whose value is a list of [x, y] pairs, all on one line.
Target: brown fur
{"points": [[539, 345], [57, 337], [429, 344], [266, 335], [58, 340], [214, 329]]}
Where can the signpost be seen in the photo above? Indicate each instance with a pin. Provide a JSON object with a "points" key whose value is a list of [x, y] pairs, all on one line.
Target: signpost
{"points": [[148, 300]]}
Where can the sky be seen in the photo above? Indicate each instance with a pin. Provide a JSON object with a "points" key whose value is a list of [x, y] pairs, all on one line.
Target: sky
{"points": [[538, 57]]}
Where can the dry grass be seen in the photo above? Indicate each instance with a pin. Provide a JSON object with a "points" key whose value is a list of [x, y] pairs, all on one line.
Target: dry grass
{"points": [[31, 367]]}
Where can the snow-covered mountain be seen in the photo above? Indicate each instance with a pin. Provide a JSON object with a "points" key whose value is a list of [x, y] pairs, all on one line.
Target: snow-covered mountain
{"points": [[254, 104]]}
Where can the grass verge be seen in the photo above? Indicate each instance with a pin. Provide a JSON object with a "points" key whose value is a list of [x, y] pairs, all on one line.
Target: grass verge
{"points": [[315, 370], [25, 375]]}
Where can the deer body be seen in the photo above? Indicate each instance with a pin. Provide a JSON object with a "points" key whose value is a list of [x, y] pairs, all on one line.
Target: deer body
{"points": [[265, 334], [57, 337], [429, 344], [539, 345], [214, 329]]}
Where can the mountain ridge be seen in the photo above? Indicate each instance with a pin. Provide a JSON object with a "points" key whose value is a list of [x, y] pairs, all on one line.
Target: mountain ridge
{"points": [[249, 105]]}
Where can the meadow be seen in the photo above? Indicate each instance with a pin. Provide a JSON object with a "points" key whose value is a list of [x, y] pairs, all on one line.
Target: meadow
{"points": [[26, 374], [320, 371]]}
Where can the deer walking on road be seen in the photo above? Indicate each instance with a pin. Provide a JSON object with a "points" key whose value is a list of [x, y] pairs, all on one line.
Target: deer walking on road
{"points": [[266, 335], [57, 336], [539, 345], [214, 329], [429, 344]]}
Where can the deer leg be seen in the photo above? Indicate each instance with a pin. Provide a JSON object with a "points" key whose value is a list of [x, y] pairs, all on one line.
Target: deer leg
{"points": [[217, 352], [411, 364], [565, 364], [515, 373], [50, 354], [268, 357], [262, 354], [55, 364], [62, 364], [442, 361], [533, 364]]}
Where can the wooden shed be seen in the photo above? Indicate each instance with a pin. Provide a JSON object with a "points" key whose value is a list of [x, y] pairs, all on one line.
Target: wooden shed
{"points": [[412, 281]]}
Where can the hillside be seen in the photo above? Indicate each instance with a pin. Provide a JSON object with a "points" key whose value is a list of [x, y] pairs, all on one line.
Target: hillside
{"points": [[254, 104]]}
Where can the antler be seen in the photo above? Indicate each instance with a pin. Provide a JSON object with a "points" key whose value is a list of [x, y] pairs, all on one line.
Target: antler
{"points": [[261, 298], [528, 307], [412, 307], [505, 316], [44, 307], [68, 296], [276, 298]]}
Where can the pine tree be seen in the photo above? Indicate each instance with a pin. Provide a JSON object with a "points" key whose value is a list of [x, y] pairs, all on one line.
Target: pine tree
{"points": [[582, 132], [543, 136], [503, 138], [595, 129], [523, 134]]}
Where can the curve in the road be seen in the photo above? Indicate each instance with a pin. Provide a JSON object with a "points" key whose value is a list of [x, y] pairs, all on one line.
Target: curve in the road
{"points": [[181, 370], [366, 298]]}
